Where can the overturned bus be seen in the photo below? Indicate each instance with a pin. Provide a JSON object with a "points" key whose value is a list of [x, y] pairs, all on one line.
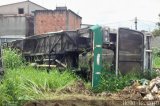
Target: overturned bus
{"points": [[124, 49]]}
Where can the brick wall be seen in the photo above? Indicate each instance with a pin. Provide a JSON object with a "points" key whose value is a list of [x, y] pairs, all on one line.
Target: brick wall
{"points": [[55, 20]]}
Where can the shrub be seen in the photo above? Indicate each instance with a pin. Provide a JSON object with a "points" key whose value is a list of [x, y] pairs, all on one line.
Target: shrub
{"points": [[11, 58]]}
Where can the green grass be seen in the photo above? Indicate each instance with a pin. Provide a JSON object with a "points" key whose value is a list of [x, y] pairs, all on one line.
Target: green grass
{"points": [[112, 83], [26, 83], [12, 59], [22, 82], [156, 58], [156, 62]]}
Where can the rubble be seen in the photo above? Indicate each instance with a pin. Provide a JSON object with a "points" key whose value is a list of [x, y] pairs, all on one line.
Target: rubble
{"points": [[143, 89], [148, 97], [154, 90], [153, 82]]}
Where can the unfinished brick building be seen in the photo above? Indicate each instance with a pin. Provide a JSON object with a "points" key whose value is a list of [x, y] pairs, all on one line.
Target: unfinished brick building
{"points": [[55, 20]]}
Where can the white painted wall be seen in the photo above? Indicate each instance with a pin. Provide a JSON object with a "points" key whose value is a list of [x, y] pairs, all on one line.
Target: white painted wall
{"points": [[13, 25], [13, 8]]}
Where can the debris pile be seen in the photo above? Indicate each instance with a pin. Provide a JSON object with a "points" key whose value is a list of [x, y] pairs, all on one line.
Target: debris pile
{"points": [[142, 90]]}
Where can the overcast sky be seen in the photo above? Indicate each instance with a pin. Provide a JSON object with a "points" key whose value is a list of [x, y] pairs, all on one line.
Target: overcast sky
{"points": [[108, 12]]}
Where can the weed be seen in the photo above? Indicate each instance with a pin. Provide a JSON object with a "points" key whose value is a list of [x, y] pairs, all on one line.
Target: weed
{"points": [[22, 82], [156, 58], [11, 58], [30, 84], [112, 83]]}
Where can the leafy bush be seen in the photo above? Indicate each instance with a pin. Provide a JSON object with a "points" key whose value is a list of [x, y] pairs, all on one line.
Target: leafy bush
{"points": [[11, 58]]}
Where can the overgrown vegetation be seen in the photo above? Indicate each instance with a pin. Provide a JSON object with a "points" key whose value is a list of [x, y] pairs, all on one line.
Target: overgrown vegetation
{"points": [[112, 83], [156, 58], [29, 83], [12, 59], [22, 82]]}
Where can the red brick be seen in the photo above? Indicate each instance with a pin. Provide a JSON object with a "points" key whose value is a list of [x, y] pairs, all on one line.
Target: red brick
{"points": [[51, 21]]}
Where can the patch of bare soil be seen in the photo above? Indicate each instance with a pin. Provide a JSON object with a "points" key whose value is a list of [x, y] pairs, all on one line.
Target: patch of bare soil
{"points": [[77, 88], [76, 95], [75, 103]]}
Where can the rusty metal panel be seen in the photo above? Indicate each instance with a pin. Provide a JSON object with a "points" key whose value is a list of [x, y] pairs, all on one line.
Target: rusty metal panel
{"points": [[59, 42], [130, 54]]}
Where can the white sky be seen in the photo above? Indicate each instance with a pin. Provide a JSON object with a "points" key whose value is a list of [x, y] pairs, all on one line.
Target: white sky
{"points": [[108, 12]]}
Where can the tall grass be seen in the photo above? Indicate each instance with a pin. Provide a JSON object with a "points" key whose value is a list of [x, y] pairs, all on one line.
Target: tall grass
{"points": [[29, 83], [32, 84], [11, 58], [156, 58], [112, 83], [22, 82]]}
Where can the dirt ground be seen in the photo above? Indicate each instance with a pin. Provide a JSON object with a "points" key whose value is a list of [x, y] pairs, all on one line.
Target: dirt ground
{"points": [[78, 95], [82, 100]]}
